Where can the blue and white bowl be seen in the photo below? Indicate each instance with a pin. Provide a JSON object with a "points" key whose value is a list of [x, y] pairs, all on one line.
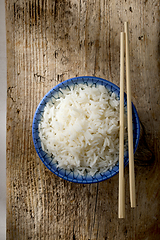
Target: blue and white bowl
{"points": [[56, 93]]}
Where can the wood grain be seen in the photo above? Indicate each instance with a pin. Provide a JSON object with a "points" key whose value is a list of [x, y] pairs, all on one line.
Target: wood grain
{"points": [[47, 43]]}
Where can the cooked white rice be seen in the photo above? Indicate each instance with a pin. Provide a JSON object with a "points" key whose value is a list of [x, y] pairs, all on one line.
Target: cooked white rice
{"points": [[80, 130]]}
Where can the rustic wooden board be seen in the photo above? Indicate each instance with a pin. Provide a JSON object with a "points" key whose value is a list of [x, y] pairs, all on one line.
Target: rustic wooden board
{"points": [[49, 42]]}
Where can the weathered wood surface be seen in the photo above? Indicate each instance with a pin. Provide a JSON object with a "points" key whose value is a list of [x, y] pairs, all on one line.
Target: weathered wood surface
{"points": [[49, 42]]}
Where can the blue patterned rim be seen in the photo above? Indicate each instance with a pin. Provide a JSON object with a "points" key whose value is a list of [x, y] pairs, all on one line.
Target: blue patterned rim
{"points": [[56, 93]]}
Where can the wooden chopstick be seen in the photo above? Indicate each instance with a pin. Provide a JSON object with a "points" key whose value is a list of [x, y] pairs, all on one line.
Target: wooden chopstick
{"points": [[121, 200], [129, 118]]}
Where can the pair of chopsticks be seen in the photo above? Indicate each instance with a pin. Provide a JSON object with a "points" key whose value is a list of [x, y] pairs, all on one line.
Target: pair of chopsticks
{"points": [[124, 47]]}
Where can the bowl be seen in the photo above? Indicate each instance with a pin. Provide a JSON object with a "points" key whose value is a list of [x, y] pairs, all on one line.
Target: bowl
{"points": [[51, 164]]}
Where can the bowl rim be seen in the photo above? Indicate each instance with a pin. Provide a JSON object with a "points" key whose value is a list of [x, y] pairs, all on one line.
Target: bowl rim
{"points": [[94, 179]]}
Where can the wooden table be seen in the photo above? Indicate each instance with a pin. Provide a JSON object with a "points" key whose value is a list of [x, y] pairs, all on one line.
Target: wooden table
{"points": [[51, 41]]}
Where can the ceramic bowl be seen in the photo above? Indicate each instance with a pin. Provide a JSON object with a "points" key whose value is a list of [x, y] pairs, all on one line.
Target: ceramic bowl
{"points": [[55, 93]]}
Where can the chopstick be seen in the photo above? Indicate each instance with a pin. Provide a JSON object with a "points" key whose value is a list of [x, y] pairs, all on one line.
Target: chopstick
{"points": [[129, 118], [121, 200]]}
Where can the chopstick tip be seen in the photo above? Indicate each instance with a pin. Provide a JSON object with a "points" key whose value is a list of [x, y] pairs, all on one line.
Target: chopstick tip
{"points": [[126, 23]]}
